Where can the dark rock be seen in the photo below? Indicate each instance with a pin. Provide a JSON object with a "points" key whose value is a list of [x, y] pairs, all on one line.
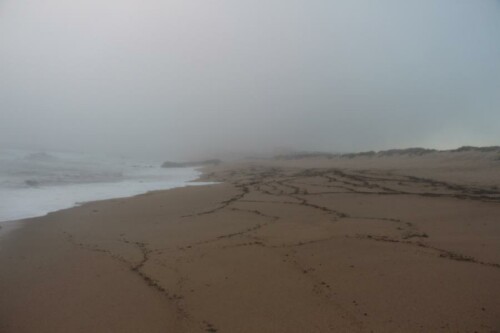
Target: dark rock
{"points": [[31, 182], [169, 164]]}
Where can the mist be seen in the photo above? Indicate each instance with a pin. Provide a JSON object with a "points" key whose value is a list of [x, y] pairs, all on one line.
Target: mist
{"points": [[196, 79]]}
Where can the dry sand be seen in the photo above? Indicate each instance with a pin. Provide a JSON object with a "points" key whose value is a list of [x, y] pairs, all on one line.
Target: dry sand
{"points": [[365, 245]]}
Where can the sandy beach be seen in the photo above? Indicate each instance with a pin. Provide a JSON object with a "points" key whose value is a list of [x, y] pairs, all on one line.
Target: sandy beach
{"points": [[396, 244]]}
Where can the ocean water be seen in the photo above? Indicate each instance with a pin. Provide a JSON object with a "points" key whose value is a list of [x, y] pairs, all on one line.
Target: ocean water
{"points": [[34, 183]]}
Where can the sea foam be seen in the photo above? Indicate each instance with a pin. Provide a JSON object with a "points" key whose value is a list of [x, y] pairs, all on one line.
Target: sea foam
{"points": [[36, 183]]}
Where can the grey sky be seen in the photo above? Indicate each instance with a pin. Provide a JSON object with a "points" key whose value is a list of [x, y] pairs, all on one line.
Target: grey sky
{"points": [[186, 78]]}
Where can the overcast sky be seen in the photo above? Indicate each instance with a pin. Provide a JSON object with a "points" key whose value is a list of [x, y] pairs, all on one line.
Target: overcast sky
{"points": [[186, 78]]}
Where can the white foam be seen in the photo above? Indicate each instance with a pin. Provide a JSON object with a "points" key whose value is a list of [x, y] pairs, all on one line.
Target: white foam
{"points": [[22, 201]]}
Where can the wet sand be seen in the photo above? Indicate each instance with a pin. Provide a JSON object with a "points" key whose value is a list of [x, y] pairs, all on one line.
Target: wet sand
{"points": [[276, 246]]}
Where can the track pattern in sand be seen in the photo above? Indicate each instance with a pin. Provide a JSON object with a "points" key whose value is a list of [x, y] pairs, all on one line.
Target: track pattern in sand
{"points": [[266, 198]]}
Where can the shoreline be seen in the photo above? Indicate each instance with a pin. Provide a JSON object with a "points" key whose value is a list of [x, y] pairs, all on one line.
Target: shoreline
{"points": [[10, 226], [192, 182], [331, 248]]}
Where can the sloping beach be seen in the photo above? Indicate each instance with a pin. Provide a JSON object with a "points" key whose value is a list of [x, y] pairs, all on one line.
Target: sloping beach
{"points": [[366, 244]]}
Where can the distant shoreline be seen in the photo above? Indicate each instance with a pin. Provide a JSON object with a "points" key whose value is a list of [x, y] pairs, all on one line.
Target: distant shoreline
{"points": [[417, 151]]}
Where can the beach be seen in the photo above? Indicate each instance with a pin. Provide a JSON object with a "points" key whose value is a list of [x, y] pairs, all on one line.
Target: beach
{"points": [[393, 244]]}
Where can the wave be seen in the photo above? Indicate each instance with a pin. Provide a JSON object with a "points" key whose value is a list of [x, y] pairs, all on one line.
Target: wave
{"points": [[36, 183]]}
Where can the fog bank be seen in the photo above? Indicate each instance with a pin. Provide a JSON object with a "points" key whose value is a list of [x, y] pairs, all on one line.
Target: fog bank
{"points": [[196, 79]]}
